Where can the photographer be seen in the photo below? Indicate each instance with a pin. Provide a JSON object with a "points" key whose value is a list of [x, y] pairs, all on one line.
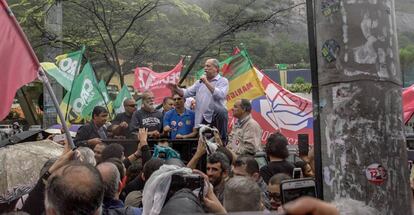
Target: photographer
{"points": [[179, 197]]}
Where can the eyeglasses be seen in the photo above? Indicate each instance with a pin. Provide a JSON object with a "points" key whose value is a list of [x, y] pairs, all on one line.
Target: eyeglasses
{"points": [[177, 99], [132, 105], [275, 196]]}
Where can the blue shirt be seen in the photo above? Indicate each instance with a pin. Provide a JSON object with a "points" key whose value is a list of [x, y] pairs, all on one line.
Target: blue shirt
{"points": [[206, 102], [179, 124]]}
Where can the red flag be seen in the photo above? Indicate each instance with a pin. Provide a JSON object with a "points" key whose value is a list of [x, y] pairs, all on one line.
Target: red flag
{"points": [[408, 103], [236, 51], [146, 79], [19, 64]]}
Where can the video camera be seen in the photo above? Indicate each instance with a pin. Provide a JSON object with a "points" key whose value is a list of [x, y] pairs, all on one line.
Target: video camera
{"points": [[179, 181]]}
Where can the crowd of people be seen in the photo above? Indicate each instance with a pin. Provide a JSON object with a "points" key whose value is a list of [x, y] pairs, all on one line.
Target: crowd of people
{"points": [[97, 178]]}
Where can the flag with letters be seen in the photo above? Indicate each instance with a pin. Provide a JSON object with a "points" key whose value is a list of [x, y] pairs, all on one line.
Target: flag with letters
{"points": [[146, 79]]}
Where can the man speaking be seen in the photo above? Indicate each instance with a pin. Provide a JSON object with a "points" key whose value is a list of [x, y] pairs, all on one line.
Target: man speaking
{"points": [[210, 95]]}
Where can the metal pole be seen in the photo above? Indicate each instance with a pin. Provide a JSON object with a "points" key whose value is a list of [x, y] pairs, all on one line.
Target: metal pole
{"points": [[364, 153], [310, 10], [46, 83]]}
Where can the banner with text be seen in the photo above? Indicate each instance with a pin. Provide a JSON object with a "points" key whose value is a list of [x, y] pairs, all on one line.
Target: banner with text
{"points": [[146, 79]]}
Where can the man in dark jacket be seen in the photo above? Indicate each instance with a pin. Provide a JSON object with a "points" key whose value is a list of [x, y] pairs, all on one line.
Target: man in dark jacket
{"points": [[120, 125], [92, 133]]}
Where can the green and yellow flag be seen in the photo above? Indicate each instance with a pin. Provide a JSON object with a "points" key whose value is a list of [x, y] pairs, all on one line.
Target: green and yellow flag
{"points": [[243, 80], [83, 96], [66, 68]]}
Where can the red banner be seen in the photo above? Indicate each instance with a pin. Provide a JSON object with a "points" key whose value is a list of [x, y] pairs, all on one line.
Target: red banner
{"points": [[408, 103], [146, 79], [19, 65]]}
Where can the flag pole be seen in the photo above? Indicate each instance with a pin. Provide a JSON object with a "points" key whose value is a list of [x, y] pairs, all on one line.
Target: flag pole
{"points": [[45, 81]]}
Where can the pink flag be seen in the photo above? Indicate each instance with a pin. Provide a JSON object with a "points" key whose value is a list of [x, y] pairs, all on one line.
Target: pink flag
{"points": [[18, 63], [408, 103], [146, 79]]}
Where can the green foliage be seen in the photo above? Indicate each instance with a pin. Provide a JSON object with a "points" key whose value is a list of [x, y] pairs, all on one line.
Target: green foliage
{"points": [[300, 88], [299, 80], [407, 64]]}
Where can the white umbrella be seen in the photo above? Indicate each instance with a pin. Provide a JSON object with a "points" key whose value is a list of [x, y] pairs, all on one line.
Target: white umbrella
{"points": [[20, 164]]}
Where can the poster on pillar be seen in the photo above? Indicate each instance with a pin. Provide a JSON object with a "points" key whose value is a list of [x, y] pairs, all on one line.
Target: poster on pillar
{"points": [[282, 110]]}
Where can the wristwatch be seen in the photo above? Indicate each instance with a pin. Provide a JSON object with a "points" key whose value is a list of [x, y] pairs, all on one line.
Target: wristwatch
{"points": [[46, 175]]}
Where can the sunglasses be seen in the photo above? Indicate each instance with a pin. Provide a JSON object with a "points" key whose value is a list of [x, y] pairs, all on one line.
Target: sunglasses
{"points": [[133, 105], [177, 99]]}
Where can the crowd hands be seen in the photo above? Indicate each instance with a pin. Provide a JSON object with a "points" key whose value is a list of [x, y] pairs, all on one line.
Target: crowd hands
{"points": [[97, 178], [104, 181]]}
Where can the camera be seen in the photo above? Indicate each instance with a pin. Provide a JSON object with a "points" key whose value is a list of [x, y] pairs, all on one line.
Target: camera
{"points": [[180, 181]]}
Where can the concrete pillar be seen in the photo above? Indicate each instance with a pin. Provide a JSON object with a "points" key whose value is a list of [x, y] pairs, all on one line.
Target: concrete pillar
{"points": [[363, 145]]}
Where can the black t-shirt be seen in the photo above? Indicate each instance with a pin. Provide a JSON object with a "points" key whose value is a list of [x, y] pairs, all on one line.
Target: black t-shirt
{"points": [[144, 119], [274, 168], [123, 117]]}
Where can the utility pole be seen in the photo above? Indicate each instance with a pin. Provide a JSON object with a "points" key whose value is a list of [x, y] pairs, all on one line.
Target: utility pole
{"points": [[53, 24], [362, 137]]}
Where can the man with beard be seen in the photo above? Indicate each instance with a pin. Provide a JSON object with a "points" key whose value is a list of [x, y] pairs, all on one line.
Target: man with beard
{"points": [[147, 117], [218, 167]]}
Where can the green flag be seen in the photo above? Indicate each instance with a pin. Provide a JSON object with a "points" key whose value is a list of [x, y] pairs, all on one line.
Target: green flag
{"points": [[120, 98], [66, 68], [103, 97], [82, 98]]}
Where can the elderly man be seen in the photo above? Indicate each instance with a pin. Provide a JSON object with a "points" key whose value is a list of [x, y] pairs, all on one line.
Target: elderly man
{"points": [[245, 138], [120, 125], [210, 94], [147, 117], [92, 133]]}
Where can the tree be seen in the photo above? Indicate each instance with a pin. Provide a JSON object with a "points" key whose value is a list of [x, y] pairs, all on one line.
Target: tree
{"points": [[116, 32], [231, 17], [407, 63]]}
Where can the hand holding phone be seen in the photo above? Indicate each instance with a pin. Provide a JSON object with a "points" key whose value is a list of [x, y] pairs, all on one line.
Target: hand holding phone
{"points": [[296, 188]]}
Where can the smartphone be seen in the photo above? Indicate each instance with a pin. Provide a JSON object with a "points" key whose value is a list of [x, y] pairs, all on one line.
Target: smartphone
{"points": [[295, 188], [297, 173], [303, 144], [59, 137]]}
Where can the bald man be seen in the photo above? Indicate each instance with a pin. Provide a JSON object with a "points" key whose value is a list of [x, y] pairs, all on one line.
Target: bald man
{"points": [[120, 125]]}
